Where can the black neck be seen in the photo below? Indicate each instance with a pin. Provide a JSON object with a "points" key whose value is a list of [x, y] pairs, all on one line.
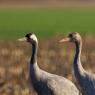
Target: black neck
{"points": [[78, 51], [34, 53], [78, 69]]}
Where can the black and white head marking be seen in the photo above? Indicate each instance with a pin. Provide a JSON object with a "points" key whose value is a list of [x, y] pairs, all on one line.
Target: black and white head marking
{"points": [[31, 37]]}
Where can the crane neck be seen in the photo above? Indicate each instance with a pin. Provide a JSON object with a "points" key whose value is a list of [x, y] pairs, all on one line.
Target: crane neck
{"points": [[78, 51], [77, 61], [34, 53]]}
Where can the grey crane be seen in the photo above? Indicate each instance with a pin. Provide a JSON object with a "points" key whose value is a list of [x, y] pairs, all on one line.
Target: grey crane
{"points": [[85, 79], [43, 82]]}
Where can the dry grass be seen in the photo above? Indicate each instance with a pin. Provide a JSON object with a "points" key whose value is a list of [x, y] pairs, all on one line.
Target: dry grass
{"points": [[52, 57]]}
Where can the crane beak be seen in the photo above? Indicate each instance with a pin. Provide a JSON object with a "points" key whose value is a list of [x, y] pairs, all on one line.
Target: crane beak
{"points": [[22, 39], [64, 40]]}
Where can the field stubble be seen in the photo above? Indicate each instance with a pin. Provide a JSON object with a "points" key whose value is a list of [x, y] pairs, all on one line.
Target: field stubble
{"points": [[52, 57]]}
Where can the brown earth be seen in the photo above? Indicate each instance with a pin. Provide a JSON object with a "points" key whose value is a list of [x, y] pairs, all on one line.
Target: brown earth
{"points": [[48, 4]]}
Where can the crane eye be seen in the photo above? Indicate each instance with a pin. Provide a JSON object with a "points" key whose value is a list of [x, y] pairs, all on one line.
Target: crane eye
{"points": [[70, 35], [28, 35]]}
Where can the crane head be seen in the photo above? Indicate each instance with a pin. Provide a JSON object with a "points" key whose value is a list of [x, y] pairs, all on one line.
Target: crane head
{"points": [[30, 37], [72, 37]]}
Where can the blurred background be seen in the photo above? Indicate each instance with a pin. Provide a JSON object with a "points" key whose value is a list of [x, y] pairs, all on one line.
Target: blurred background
{"points": [[50, 20]]}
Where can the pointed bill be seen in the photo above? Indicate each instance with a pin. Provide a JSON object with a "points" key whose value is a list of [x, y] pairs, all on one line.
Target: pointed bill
{"points": [[64, 40], [22, 39]]}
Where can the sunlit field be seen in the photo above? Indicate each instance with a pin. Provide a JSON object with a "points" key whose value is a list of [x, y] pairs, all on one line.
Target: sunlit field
{"points": [[52, 57]]}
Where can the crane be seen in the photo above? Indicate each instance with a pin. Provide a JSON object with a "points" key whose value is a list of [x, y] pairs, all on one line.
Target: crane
{"points": [[85, 79], [43, 82]]}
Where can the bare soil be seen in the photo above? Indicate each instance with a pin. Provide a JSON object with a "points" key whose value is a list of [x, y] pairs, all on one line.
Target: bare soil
{"points": [[48, 4]]}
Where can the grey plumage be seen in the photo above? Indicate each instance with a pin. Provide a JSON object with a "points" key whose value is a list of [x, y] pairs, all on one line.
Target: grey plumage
{"points": [[43, 82], [85, 79]]}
